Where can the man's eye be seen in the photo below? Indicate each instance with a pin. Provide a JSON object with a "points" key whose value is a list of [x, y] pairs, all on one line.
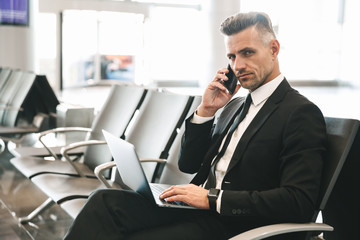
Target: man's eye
{"points": [[248, 52], [231, 58]]}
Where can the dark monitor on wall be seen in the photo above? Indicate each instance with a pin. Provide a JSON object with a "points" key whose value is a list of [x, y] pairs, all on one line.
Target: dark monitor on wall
{"points": [[14, 12]]}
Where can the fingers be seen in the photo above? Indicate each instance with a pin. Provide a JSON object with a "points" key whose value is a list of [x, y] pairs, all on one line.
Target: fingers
{"points": [[178, 198], [216, 95], [221, 75], [177, 193], [218, 85], [190, 194], [218, 82], [173, 190]]}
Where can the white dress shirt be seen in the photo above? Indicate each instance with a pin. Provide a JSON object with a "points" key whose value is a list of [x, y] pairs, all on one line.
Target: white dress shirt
{"points": [[259, 97]]}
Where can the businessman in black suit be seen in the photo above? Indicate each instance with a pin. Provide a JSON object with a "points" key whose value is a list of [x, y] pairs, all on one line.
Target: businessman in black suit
{"points": [[260, 163]]}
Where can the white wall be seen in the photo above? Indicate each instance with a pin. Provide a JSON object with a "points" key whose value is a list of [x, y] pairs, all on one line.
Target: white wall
{"points": [[17, 43]]}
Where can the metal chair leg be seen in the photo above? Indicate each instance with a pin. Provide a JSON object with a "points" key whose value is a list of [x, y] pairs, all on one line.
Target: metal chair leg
{"points": [[45, 205]]}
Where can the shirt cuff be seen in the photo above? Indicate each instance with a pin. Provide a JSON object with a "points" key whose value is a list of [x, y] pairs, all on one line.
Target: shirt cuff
{"points": [[218, 201], [199, 120]]}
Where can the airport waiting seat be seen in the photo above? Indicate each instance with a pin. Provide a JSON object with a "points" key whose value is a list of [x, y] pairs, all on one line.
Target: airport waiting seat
{"points": [[5, 94], [170, 173], [38, 145], [18, 114], [341, 134], [151, 130], [41, 98], [115, 115], [14, 95]]}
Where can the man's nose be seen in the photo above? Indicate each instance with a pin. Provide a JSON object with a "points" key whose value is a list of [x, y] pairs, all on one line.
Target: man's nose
{"points": [[239, 65]]}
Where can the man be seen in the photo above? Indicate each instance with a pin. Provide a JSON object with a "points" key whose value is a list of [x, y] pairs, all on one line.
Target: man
{"points": [[262, 165]]}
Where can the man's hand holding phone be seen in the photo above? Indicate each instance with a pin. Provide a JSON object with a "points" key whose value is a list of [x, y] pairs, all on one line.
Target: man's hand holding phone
{"points": [[219, 92]]}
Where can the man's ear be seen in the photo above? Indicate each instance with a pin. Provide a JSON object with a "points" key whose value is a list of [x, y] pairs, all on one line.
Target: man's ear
{"points": [[275, 47]]}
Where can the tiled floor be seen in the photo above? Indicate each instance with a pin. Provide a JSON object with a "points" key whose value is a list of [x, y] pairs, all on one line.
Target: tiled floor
{"points": [[19, 196], [9, 229]]}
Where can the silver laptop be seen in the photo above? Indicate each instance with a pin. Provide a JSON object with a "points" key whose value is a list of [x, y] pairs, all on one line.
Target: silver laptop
{"points": [[132, 174]]}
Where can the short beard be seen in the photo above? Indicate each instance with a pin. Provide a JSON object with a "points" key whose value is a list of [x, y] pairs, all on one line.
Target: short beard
{"points": [[256, 84]]}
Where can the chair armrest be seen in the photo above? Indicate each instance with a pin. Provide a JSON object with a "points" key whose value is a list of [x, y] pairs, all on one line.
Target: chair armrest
{"points": [[60, 130], [100, 169], [277, 229], [37, 121], [64, 151], [105, 166], [158, 160]]}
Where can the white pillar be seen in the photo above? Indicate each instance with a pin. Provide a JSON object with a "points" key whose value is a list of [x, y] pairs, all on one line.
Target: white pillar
{"points": [[216, 11], [17, 43]]}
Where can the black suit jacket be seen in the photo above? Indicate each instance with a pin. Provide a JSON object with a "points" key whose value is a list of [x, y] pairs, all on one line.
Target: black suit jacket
{"points": [[274, 174]]}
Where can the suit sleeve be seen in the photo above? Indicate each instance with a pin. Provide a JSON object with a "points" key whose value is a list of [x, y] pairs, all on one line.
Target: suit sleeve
{"points": [[195, 144], [198, 139], [300, 167]]}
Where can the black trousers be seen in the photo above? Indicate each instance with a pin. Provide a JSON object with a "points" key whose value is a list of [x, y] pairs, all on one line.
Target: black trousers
{"points": [[122, 214]]}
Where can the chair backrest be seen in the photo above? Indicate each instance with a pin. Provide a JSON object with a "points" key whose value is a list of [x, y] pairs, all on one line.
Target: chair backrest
{"points": [[4, 75], [171, 173], [340, 205], [9, 88], [8, 91], [24, 85], [153, 129], [114, 117], [340, 138]]}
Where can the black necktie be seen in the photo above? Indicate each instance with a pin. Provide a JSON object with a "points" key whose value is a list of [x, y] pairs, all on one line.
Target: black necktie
{"points": [[211, 181]]}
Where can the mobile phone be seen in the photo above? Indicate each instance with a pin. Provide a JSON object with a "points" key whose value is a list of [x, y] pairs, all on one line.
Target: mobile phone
{"points": [[232, 81]]}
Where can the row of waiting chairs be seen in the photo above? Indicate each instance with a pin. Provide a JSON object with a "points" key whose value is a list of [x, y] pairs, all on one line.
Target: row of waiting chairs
{"points": [[148, 118], [26, 102], [154, 124]]}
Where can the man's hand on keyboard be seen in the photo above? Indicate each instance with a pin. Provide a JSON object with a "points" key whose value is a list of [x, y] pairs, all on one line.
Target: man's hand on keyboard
{"points": [[191, 194]]}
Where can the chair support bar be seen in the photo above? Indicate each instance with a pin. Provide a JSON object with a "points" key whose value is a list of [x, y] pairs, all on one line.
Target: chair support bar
{"points": [[60, 130], [64, 151], [100, 169], [45, 205]]}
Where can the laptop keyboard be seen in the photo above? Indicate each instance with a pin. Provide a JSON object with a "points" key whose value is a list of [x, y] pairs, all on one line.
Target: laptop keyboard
{"points": [[158, 189]]}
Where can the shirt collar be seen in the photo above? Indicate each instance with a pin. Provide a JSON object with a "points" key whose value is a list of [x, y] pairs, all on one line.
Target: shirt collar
{"points": [[264, 92]]}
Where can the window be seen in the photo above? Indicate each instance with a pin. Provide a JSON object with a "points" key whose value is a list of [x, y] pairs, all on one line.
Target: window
{"points": [[311, 35], [174, 45], [100, 46], [79, 31], [125, 46]]}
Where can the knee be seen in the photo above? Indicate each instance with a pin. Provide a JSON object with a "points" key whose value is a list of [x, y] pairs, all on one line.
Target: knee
{"points": [[98, 196], [104, 196]]}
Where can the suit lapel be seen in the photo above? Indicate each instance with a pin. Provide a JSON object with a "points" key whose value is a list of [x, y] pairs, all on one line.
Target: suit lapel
{"points": [[265, 112]]}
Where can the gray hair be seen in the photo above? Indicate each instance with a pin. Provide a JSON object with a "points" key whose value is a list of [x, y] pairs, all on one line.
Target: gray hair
{"points": [[241, 21]]}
